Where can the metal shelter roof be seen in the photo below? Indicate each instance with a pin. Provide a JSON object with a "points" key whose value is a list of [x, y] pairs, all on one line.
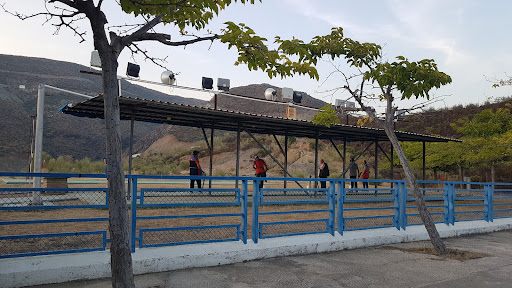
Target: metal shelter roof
{"points": [[192, 116]]}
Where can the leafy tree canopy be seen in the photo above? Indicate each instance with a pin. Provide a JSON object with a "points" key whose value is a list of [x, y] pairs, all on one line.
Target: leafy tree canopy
{"points": [[485, 124]]}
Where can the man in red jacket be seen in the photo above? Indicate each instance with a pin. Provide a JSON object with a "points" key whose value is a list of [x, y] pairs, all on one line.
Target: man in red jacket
{"points": [[261, 168]]}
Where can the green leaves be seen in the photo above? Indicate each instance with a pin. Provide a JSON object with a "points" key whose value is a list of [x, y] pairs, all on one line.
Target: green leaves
{"points": [[409, 78], [485, 124], [253, 51], [327, 116], [190, 13]]}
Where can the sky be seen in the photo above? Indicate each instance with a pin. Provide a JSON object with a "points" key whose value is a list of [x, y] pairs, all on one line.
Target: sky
{"points": [[468, 39]]}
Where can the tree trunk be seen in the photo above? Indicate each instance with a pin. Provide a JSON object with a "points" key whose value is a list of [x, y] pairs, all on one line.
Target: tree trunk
{"points": [[120, 252], [435, 238], [493, 172]]}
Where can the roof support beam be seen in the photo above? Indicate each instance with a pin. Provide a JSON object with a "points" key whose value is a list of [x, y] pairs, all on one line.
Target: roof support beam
{"points": [[334, 145], [316, 158], [237, 153]]}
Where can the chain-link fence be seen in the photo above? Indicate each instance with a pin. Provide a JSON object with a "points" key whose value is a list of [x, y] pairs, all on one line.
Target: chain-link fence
{"points": [[269, 230], [186, 235], [179, 196], [47, 198], [40, 244]]}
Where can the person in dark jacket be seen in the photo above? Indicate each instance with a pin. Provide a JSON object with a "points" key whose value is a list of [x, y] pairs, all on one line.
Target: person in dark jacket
{"points": [[323, 172], [353, 172], [195, 168]]}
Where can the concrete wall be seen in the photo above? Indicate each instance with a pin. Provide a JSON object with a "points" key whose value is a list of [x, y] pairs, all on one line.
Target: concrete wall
{"points": [[36, 270]]}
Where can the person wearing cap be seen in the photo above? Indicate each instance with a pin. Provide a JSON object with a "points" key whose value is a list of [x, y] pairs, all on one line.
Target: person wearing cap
{"points": [[195, 169], [261, 168]]}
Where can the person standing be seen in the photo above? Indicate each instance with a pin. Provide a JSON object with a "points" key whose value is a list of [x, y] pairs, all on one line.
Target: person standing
{"points": [[365, 174], [261, 168], [353, 172], [323, 172], [195, 169]]}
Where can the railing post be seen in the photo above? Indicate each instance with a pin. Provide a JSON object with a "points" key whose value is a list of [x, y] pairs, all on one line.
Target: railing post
{"points": [[449, 203], [403, 204], [134, 214], [491, 203], [244, 210], [396, 197], [255, 210], [332, 207], [488, 203], [341, 198], [446, 212], [452, 203]]}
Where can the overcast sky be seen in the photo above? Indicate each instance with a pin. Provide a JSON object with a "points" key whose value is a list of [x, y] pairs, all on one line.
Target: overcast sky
{"points": [[469, 39]]}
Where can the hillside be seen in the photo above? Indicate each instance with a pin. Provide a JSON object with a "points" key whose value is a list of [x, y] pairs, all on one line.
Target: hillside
{"points": [[63, 134]]}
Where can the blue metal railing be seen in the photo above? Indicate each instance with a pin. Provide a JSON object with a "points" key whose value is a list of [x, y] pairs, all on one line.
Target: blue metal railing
{"points": [[159, 205], [186, 197]]}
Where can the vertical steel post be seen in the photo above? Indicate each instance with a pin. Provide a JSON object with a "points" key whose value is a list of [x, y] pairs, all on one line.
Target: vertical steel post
{"points": [[285, 157], [449, 203], [211, 157], [332, 207], [392, 164], [446, 200], [341, 198], [134, 215], [488, 203], [396, 200], [424, 164], [237, 154], [255, 210], [403, 204], [376, 163], [245, 194], [316, 159], [38, 151], [130, 153], [344, 155]]}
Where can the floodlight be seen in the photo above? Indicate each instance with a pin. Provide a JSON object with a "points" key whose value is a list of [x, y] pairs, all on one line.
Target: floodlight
{"points": [[223, 84], [270, 94], [207, 83], [340, 103], [133, 70], [297, 97], [287, 93], [168, 78], [350, 105], [400, 114]]}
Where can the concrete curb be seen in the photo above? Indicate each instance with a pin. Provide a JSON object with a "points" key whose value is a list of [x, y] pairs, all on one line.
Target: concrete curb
{"points": [[38, 270]]}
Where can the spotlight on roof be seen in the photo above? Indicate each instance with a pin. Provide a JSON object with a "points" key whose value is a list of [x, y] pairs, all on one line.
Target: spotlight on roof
{"points": [[168, 78], [287, 93], [223, 84], [133, 70], [400, 114], [297, 97], [270, 94], [207, 83]]}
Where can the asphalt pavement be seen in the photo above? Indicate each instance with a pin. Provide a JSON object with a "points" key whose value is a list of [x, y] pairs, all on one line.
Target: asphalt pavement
{"points": [[381, 266]]}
